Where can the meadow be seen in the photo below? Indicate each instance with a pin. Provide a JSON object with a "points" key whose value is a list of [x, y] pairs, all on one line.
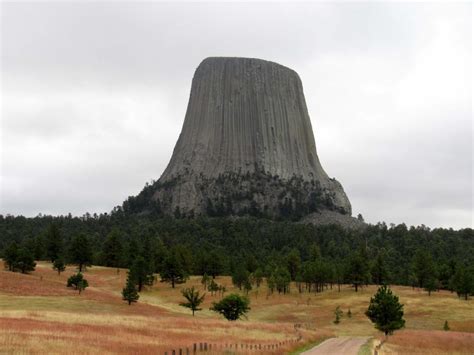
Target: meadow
{"points": [[39, 314]]}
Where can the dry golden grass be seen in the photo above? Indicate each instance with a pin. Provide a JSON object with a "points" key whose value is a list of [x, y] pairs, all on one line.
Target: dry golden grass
{"points": [[38, 314], [429, 342]]}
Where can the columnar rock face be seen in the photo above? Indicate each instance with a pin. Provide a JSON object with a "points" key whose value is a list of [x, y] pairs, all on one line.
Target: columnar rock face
{"points": [[246, 147]]}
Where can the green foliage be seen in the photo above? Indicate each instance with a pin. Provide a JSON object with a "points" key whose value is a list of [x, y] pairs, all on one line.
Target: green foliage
{"points": [[25, 260], [10, 256], [141, 273], [240, 276], [19, 259], [205, 280], [358, 272], [213, 287], [232, 307], [385, 311], [112, 249], [173, 270], [194, 299], [54, 242], [78, 282], [379, 269], [80, 252], [293, 263], [431, 284], [254, 243], [130, 292], [463, 282], [282, 279], [257, 277], [59, 265], [338, 314], [424, 267]]}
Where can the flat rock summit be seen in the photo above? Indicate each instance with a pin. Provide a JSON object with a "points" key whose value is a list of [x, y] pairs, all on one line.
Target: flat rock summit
{"points": [[246, 148]]}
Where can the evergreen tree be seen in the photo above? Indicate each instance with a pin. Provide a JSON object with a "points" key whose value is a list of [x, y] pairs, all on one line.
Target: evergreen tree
{"points": [[446, 325], [358, 273], [82, 285], [240, 276], [215, 264], [282, 279], [257, 277], [247, 286], [10, 256], [205, 280], [140, 273], [338, 314], [194, 299], [78, 282], [213, 287], [379, 270], [80, 252], [293, 263], [423, 266], [385, 311], [172, 270], [25, 260], [129, 292], [431, 284], [59, 265], [54, 242], [463, 282], [112, 249], [232, 307]]}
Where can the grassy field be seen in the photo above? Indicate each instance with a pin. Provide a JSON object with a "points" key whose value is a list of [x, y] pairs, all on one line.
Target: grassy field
{"points": [[38, 314]]}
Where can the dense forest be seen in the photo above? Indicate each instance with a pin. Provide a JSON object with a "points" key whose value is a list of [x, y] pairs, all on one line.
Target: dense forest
{"points": [[313, 256]]}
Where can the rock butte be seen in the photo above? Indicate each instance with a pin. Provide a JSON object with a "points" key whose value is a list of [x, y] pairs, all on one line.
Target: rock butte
{"points": [[247, 147]]}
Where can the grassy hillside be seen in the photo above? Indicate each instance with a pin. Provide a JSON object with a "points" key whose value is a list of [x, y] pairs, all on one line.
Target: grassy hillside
{"points": [[38, 314]]}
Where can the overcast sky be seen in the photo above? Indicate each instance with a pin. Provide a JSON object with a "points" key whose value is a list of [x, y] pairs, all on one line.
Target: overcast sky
{"points": [[94, 97]]}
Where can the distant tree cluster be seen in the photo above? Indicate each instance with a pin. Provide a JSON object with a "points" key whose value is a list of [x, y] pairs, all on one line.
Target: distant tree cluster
{"points": [[251, 251]]}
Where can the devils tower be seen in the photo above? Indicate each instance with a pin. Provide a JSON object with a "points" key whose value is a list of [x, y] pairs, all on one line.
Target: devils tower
{"points": [[246, 148]]}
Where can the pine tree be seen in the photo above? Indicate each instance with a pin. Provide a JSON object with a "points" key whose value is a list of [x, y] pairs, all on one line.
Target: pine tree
{"points": [[54, 242], [205, 281], [81, 252], [10, 256], [431, 284], [385, 311], [112, 250], [424, 267], [59, 265], [239, 276], [172, 270], [446, 325], [25, 260], [379, 270], [130, 292], [78, 282], [194, 299], [463, 282], [338, 314], [358, 272], [213, 287], [140, 273]]}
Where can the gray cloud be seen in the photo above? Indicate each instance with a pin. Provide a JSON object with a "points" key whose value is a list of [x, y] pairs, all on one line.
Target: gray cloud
{"points": [[94, 96]]}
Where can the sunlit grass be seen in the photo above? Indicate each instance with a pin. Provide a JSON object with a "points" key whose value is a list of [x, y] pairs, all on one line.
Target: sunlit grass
{"points": [[38, 314]]}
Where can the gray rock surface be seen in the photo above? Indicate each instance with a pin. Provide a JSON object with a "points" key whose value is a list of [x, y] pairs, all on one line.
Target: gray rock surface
{"points": [[245, 116]]}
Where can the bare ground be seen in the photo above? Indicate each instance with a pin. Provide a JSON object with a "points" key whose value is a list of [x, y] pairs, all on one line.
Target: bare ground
{"points": [[339, 345]]}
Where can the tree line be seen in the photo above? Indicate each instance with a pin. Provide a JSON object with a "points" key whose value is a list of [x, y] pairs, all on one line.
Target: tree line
{"points": [[313, 257]]}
